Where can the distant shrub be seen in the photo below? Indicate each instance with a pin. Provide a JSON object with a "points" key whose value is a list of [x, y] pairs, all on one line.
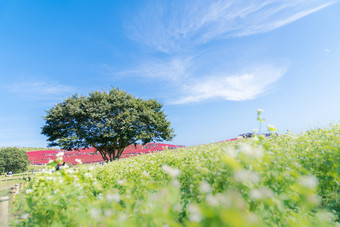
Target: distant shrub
{"points": [[13, 159]]}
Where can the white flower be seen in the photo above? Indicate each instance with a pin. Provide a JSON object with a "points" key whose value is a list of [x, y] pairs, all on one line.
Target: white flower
{"points": [[70, 171], [244, 176], [25, 216], [176, 183], [28, 191], [195, 214], [171, 171], [205, 187], [233, 153], [95, 213], [250, 151], [146, 174], [259, 111], [261, 193], [50, 161], [60, 154], [121, 182], [113, 197], [78, 161], [255, 194], [100, 196], [308, 181], [245, 148], [212, 200]]}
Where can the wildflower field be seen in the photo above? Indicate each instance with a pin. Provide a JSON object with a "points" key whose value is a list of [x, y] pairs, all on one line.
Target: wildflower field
{"points": [[286, 180]]}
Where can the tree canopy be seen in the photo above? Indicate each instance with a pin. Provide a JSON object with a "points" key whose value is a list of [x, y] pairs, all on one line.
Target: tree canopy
{"points": [[108, 121], [13, 159]]}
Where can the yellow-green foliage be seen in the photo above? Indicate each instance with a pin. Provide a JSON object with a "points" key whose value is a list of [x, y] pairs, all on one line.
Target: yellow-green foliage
{"points": [[289, 180]]}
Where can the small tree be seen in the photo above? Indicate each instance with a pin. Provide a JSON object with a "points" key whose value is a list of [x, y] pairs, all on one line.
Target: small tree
{"points": [[13, 159], [109, 122]]}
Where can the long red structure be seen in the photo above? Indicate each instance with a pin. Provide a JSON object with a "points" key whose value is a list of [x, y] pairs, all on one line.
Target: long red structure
{"points": [[91, 155]]}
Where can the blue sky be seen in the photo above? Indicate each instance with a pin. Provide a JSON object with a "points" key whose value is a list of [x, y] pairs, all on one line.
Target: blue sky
{"points": [[211, 63]]}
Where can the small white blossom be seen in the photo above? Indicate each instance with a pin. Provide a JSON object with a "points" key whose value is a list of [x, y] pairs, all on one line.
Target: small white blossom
{"points": [[205, 187], [78, 161], [212, 200], [146, 174], [113, 197], [250, 151], [261, 193], [309, 181], [95, 213], [28, 191], [195, 214], [88, 175], [70, 171], [233, 153], [25, 216], [60, 154], [100, 196], [171, 171], [244, 176], [121, 182], [176, 183], [255, 194]]}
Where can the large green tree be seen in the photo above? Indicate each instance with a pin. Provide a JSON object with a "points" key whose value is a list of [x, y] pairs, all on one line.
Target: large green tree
{"points": [[13, 159], [108, 121]]}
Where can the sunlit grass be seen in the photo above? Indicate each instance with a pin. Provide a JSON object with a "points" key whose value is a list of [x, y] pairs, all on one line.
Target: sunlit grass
{"points": [[288, 180]]}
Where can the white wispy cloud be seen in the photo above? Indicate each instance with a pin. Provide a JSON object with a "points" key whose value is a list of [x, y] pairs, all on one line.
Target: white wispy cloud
{"points": [[183, 34], [41, 90], [245, 86], [173, 69], [172, 27]]}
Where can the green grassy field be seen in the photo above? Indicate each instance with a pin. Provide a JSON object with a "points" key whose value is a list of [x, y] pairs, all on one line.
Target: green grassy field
{"points": [[288, 180], [5, 186]]}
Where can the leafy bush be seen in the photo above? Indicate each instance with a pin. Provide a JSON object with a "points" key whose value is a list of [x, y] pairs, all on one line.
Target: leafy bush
{"points": [[288, 180], [13, 159]]}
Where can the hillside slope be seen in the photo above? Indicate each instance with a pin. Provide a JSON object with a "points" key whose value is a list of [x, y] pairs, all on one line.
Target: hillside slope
{"points": [[289, 180]]}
